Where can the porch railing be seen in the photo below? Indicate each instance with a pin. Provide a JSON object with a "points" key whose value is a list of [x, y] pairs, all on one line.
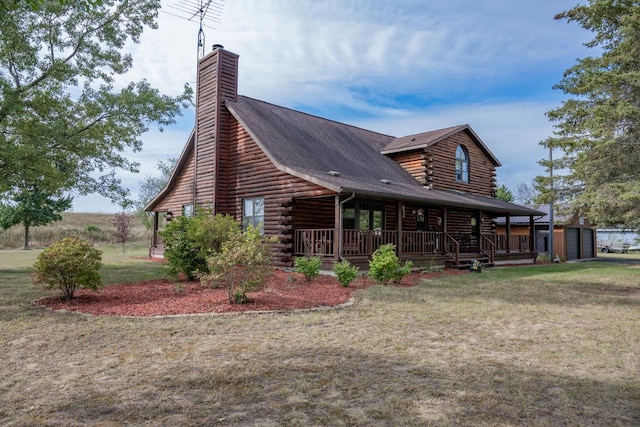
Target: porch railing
{"points": [[321, 242], [365, 242], [421, 242], [315, 242], [512, 242]]}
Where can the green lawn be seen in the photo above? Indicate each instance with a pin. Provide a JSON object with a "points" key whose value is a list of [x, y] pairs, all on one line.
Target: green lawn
{"points": [[535, 345]]}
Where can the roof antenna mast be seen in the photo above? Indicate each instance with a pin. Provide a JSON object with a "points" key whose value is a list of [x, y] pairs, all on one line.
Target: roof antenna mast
{"points": [[207, 12]]}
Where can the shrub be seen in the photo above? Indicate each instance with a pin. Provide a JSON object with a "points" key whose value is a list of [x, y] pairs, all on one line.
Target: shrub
{"points": [[68, 264], [345, 272], [190, 241], [242, 265], [385, 267], [180, 251], [309, 266]]}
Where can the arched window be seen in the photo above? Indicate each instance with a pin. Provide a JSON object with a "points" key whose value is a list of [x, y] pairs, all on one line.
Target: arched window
{"points": [[462, 164]]}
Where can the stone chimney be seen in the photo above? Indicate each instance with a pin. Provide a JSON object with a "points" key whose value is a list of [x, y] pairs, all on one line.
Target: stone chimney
{"points": [[217, 81]]}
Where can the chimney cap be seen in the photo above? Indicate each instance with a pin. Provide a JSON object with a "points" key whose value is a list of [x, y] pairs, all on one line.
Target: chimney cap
{"points": [[217, 46]]}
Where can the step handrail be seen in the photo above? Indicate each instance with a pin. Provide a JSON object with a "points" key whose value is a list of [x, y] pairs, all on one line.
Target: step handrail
{"points": [[455, 245], [491, 247]]}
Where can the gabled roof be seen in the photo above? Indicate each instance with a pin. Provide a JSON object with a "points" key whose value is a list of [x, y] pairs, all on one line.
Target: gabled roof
{"points": [[424, 140], [171, 182], [309, 147]]}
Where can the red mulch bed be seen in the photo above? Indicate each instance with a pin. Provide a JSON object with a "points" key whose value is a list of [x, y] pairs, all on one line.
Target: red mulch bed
{"points": [[284, 291]]}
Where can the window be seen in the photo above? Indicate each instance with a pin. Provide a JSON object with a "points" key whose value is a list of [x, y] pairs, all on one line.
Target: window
{"points": [[462, 164], [475, 226], [349, 219], [187, 210], [363, 216], [253, 213]]}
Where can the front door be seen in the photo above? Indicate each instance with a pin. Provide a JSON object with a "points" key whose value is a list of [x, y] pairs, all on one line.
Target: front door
{"points": [[421, 219]]}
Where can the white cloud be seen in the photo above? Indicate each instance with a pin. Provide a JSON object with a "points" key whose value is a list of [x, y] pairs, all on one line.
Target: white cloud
{"points": [[400, 67], [512, 131]]}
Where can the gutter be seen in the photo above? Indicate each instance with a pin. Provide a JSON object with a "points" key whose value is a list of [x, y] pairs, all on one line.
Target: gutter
{"points": [[348, 199]]}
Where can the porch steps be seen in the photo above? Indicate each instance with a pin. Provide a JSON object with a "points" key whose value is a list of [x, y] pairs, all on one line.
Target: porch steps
{"points": [[466, 259], [156, 251]]}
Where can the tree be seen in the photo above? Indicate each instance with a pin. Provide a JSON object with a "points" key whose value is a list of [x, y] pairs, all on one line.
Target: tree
{"points": [[526, 194], [64, 125], [7, 5], [151, 186], [122, 223], [503, 193], [32, 207], [596, 164]]}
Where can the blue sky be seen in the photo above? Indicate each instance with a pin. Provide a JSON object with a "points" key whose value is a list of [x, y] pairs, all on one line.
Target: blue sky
{"points": [[394, 66]]}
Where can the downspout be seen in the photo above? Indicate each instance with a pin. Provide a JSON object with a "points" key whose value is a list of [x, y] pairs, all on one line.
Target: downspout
{"points": [[348, 199]]}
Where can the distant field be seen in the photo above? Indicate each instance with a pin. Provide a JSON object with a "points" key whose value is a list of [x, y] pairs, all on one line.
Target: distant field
{"points": [[93, 226]]}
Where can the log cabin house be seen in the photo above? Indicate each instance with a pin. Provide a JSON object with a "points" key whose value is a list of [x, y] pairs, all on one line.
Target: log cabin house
{"points": [[333, 190]]}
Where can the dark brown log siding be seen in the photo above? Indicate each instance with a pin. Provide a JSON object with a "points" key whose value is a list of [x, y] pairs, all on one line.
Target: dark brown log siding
{"points": [[254, 175], [314, 213], [481, 168], [206, 128], [217, 80], [181, 194], [436, 166], [414, 162]]}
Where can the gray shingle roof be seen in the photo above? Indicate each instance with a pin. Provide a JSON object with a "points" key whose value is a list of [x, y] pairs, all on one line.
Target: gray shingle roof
{"points": [[558, 218], [309, 147], [425, 139]]}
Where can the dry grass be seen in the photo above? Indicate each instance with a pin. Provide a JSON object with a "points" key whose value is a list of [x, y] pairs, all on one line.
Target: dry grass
{"points": [[545, 345], [92, 226]]}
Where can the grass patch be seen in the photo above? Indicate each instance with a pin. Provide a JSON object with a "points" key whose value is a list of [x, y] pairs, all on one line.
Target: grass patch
{"points": [[118, 267], [535, 345], [95, 227]]}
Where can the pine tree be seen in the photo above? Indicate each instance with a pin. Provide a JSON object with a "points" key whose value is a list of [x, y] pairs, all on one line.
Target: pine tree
{"points": [[596, 142]]}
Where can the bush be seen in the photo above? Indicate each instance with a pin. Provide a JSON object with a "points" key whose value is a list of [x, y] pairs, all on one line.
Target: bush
{"points": [[345, 272], [242, 265], [385, 267], [309, 266], [68, 264], [190, 241]]}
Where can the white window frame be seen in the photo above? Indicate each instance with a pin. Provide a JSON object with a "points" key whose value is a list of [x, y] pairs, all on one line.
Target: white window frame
{"points": [[462, 164], [253, 210]]}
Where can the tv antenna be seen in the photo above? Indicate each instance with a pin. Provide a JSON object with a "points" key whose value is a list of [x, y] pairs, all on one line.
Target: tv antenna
{"points": [[206, 12]]}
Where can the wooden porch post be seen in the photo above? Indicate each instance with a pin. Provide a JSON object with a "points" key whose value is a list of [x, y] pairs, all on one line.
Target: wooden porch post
{"points": [[532, 238], [444, 219], [154, 238], [508, 231], [479, 236], [337, 239], [399, 227]]}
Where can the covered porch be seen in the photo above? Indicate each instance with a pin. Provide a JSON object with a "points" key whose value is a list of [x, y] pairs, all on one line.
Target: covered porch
{"points": [[421, 247], [428, 235]]}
